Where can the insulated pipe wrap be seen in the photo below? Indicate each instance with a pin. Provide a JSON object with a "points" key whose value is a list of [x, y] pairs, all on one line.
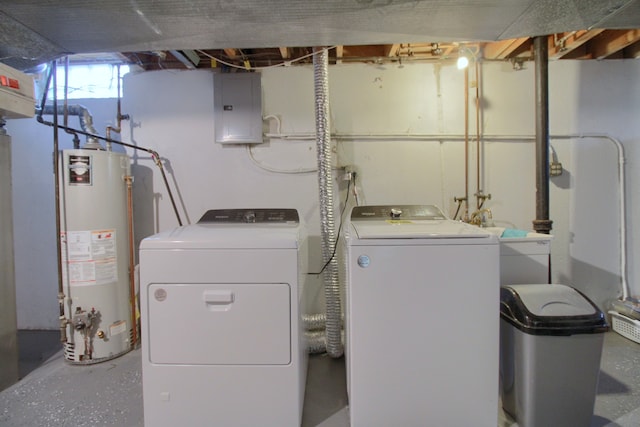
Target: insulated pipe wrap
{"points": [[327, 221]]}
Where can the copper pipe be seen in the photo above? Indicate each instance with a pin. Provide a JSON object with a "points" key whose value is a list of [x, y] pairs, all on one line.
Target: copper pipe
{"points": [[76, 140], [466, 144], [132, 276], [119, 117], [478, 151], [56, 173], [66, 90]]}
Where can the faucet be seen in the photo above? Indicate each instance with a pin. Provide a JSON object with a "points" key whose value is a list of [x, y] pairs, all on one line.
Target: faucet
{"points": [[482, 218]]}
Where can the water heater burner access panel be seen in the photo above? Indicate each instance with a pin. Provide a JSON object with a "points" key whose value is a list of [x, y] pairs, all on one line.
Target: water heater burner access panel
{"points": [[261, 216]]}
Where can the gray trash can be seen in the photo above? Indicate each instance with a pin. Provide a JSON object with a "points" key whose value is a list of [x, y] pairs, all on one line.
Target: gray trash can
{"points": [[550, 348]]}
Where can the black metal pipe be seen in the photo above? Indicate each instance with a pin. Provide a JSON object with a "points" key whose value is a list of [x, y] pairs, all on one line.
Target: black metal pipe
{"points": [[154, 155], [542, 224]]}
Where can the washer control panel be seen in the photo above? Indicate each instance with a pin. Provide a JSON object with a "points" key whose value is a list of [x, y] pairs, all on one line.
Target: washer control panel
{"points": [[250, 216], [397, 212]]}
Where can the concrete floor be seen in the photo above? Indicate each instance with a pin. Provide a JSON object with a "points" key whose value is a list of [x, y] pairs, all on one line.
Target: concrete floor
{"points": [[110, 393]]}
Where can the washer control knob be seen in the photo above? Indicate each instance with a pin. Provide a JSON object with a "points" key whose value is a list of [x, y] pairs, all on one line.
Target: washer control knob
{"points": [[250, 216], [395, 213]]}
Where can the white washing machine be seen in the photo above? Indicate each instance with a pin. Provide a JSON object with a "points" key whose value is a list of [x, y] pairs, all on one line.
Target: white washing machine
{"points": [[221, 305], [422, 318]]}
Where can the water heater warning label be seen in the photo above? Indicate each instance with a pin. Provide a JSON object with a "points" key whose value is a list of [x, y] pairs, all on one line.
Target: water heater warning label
{"points": [[90, 257], [79, 170]]}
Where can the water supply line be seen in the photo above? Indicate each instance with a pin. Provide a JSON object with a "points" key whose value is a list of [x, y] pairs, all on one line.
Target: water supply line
{"points": [[119, 116], [92, 134], [56, 165], [465, 215], [478, 187], [76, 140], [327, 223], [132, 275], [481, 197]]}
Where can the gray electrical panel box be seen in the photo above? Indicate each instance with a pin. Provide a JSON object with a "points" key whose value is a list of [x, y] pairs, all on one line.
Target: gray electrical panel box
{"points": [[238, 108]]}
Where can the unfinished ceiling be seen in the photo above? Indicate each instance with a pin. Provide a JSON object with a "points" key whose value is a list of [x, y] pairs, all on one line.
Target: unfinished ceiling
{"points": [[253, 33]]}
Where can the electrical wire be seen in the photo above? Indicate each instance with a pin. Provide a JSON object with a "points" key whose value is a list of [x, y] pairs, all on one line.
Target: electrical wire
{"points": [[275, 170], [282, 64], [335, 246]]}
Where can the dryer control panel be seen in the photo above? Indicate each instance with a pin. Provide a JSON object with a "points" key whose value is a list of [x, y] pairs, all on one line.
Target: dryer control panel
{"points": [[250, 216]]}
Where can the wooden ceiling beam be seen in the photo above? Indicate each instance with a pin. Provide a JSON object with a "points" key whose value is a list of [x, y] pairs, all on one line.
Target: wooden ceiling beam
{"points": [[339, 53], [612, 41], [564, 43], [503, 48], [391, 49], [365, 51], [284, 52], [231, 53], [633, 51]]}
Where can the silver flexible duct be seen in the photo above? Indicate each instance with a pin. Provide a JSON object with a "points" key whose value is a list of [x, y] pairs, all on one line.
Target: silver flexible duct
{"points": [[327, 223], [314, 322], [317, 322], [86, 121], [317, 341]]}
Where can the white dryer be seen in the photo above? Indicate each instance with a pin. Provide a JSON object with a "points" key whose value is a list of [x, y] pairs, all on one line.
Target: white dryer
{"points": [[221, 305], [422, 318]]}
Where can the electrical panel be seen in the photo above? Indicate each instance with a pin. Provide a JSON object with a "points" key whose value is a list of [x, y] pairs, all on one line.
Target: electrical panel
{"points": [[238, 108], [16, 94]]}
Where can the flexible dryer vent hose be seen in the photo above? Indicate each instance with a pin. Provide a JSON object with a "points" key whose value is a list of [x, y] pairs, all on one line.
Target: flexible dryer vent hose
{"points": [[327, 222]]}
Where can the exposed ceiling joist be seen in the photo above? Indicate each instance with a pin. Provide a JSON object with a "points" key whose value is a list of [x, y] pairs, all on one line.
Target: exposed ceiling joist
{"points": [[503, 49], [284, 52], [608, 43], [565, 43]]}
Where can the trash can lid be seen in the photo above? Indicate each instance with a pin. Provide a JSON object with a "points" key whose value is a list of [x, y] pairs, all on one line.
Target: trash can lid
{"points": [[550, 310]]}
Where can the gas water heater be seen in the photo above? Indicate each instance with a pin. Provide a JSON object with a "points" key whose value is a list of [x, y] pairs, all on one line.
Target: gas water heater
{"points": [[95, 188]]}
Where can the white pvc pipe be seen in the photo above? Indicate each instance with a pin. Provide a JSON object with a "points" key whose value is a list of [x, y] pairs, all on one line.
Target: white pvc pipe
{"points": [[506, 138], [622, 207]]}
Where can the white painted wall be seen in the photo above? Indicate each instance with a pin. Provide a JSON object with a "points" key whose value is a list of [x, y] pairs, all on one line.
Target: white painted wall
{"points": [[400, 109]]}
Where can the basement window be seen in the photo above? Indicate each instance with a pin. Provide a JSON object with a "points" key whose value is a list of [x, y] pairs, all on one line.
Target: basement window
{"points": [[85, 81]]}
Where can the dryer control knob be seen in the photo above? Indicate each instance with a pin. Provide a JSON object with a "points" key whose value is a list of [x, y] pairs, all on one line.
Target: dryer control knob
{"points": [[395, 213]]}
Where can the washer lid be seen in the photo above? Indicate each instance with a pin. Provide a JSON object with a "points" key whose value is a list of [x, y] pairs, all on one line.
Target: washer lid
{"points": [[408, 229], [410, 222]]}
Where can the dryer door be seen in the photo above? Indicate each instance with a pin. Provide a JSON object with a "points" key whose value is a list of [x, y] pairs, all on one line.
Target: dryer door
{"points": [[219, 324]]}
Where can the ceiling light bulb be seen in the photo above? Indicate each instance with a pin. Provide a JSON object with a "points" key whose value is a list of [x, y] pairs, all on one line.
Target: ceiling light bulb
{"points": [[463, 62]]}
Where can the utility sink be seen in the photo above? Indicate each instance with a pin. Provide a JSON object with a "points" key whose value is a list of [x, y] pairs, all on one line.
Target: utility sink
{"points": [[524, 256]]}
